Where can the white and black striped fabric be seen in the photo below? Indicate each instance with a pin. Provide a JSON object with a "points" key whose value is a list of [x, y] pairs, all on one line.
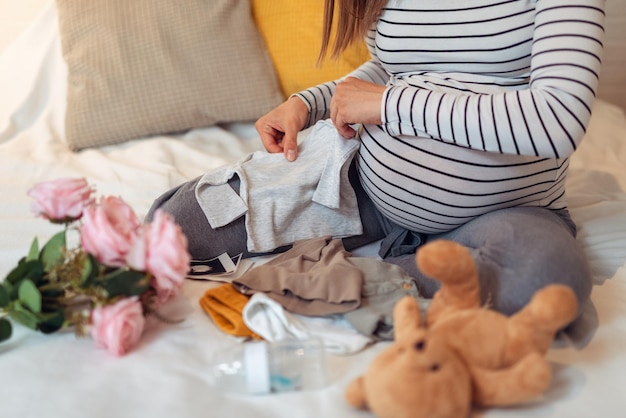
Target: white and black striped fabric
{"points": [[486, 100]]}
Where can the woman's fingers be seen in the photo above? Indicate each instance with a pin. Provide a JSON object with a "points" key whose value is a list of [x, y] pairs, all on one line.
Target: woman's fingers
{"points": [[279, 128], [355, 101], [270, 136]]}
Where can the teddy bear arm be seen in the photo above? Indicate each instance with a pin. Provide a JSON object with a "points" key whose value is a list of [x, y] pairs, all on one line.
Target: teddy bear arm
{"points": [[407, 318], [535, 325], [452, 265], [521, 382], [355, 394]]}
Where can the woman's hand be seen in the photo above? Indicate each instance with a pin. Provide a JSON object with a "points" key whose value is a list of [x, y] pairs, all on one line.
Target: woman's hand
{"points": [[279, 128], [355, 101]]}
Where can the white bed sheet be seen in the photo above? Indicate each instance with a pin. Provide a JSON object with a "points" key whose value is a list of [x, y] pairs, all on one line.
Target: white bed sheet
{"points": [[166, 376]]}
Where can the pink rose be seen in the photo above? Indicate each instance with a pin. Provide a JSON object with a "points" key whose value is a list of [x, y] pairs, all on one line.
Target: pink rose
{"points": [[118, 327], [108, 231], [61, 200], [162, 250]]}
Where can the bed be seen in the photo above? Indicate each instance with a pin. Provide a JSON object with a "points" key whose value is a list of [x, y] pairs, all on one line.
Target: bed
{"points": [[61, 375]]}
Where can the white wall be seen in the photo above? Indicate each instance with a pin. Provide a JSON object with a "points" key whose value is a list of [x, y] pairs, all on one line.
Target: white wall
{"points": [[15, 15], [613, 77]]}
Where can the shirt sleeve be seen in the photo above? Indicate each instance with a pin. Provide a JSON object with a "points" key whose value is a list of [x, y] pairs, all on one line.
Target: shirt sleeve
{"points": [[317, 98], [546, 119]]}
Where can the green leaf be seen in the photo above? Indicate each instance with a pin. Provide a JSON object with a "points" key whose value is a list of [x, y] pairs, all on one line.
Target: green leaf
{"points": [[24, 316], [89, 270], [4, 296], [122, 282], [51, 290], [29, 295], [5, 329], [33, 252], [51, 322], [53, 252], [32, 269]]}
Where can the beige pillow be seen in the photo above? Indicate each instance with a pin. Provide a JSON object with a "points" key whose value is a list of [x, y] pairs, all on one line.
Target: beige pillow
{"points": [[145, 67]]}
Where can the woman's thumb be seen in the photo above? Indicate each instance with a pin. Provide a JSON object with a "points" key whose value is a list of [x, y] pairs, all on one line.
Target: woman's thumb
{"points": [[290, 146]]}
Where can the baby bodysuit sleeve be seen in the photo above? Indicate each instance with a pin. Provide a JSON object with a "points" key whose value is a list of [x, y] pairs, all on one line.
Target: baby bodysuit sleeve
{"points": [[219, 202]]}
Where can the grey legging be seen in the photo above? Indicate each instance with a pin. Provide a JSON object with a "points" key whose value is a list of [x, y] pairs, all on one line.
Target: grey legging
{"points": [[517, 250]]}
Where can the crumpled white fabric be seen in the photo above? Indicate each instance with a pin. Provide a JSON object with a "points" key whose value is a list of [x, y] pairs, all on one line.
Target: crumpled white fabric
{"points": [[271, 321]]}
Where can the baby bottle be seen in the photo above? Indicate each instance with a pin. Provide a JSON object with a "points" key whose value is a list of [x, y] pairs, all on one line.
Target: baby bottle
{"points": [[260, 367]]}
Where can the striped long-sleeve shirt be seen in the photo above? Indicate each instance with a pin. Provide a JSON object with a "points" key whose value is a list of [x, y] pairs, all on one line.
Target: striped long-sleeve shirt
{"points": [[485, 102]]}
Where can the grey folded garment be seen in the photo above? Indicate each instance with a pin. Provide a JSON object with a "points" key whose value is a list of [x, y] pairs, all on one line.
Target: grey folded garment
{"points": [[313, 278], [384, 284]]}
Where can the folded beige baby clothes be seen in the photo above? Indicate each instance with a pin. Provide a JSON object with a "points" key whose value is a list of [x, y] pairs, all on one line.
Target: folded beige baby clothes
{"points": [[313, 278]]}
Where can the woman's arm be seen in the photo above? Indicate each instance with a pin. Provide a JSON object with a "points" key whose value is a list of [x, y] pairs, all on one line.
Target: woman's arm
{"points": [[546, 119], [318, 98]]}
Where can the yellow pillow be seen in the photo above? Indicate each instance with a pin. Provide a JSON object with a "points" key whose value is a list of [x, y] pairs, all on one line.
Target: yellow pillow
{"points": [[292, 31]]}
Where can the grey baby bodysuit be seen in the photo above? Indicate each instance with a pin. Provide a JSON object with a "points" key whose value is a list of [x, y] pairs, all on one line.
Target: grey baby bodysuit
{"points": [[287, 201]]}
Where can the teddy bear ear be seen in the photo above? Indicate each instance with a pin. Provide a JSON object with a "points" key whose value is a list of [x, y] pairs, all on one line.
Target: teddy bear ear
{"points": [[407, 317]]}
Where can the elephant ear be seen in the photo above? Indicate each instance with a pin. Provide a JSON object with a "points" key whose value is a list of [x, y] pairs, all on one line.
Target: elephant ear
{"points": [[407, 318]]}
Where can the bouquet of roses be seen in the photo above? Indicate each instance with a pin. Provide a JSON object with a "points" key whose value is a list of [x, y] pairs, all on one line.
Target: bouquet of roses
{"points": [[117, 272]]}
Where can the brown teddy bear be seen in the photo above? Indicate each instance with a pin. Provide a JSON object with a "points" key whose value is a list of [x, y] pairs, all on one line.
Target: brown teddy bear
{"points": [[465, 353]]}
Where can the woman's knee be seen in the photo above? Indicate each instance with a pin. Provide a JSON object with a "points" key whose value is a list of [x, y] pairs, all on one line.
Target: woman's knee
{"points": [[525, 250], [204, 242], [521, 250]]}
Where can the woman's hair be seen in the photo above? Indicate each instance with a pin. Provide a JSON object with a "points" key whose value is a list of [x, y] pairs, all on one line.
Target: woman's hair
{"points": [[354, 18]]}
